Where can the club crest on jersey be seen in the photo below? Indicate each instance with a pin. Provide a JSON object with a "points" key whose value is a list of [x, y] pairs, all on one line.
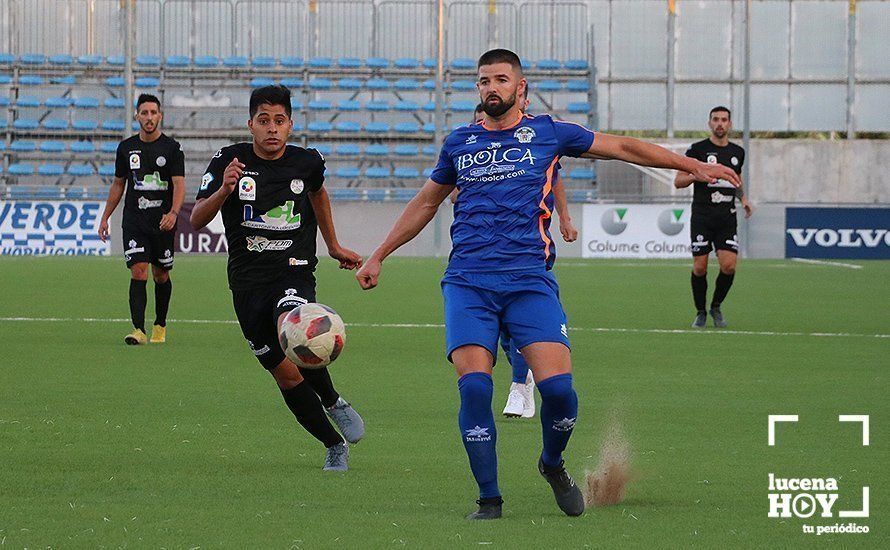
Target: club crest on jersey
{"points": [[296, 185], [247, 189], [524, 134], [161, 162], [134, 162], [712, 159], [734, 161], [471, 140]]}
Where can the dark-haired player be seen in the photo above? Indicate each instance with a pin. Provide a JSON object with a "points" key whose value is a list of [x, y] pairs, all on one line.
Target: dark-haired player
{"points": [[151, 167], [498, 274], [713, 223], [272, 201]]}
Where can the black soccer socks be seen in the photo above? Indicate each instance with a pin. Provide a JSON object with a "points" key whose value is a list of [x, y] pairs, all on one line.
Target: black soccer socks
{"points": [[304, 403], [724, 283], [162, 302], [321, 383], [699, 291], [137, 303]]}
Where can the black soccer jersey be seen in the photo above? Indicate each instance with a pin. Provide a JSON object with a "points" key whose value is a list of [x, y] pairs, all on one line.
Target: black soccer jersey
{"points": [[148, 168], [719, 196], [270, 224]]}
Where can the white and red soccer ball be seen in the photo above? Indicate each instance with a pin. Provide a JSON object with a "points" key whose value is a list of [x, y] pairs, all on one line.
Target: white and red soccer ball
{"points": [[312, 336]]}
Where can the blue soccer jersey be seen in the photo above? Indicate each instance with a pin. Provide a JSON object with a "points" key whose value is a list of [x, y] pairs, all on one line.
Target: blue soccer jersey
{"points": [[502, 220]]}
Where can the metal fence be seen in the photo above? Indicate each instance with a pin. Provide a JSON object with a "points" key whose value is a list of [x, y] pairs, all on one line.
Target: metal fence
{"points": [[814, 65]]}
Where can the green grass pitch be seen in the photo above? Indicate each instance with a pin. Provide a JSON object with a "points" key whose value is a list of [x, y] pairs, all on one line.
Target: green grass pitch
{"points": [[189, 444]]}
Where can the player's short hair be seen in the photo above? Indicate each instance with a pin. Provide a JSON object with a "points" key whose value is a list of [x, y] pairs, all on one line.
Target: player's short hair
{"points": [[720, 109], [270, 95], [147, 98], [500, 56]]}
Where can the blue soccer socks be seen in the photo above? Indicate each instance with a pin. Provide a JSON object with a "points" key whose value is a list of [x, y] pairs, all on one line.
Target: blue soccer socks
{"points": [[559, 410], [477, 430]]}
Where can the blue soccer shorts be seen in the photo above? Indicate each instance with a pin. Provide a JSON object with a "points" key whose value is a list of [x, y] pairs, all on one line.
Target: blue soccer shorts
{"points": [[524, 304]]}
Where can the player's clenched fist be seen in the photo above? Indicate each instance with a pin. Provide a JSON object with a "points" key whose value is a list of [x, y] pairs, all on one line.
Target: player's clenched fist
{"points": [[231, 175], [369, 273]]}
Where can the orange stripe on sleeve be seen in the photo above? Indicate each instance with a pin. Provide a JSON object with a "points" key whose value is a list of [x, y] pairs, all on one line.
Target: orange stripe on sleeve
{"points": [[548, 186]]}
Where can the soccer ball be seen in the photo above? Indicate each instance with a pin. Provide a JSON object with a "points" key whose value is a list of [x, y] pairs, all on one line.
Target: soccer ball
{"points": [[312, 336]]}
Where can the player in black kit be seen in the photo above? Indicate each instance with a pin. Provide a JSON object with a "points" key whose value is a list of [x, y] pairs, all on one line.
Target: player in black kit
{"points": [[152, 168], [713, 222], [272, 201]]}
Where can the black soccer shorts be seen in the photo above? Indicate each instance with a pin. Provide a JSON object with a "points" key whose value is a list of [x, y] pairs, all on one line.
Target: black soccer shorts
{"points": [[258, 311], [156, 249], [713, 231]]}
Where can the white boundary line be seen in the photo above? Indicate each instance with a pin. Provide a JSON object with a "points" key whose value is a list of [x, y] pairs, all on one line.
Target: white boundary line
{"points": [[823, 262], [439, 326]]}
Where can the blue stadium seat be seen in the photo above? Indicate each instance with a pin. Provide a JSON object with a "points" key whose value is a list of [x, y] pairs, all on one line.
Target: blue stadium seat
{"points": [[296, 104], [406, 106], [548, 64], [20, 169], [377, 105], [430, 150], [6, 58], [208, 61], [321, 62], [31, 80], [406, 127], [583, 174], [429, 127], [577, 86], [292, 62], [406, 150], [67, 80], [579, 107], [298, 126], [344, 193], [405, 172], [25, 124], [463, 106], [147, 82], [4, 102], [427, 172], [85, 125], [2, 145], [377, 63], [113, 125], [106, 170], [407, 63], [114, 103], [406, 84], [349, 62], [403, 194], [377, 172], [348, 149], [548, 86], [3, 124], [577, 64], [148, 60], [90, 60], [21, 146], [61, 59], [116, 60], [429, 84], [349, 84], [429, 106], [55, 124], [320, 126], [32, 59], [5, 80], [431, 63], [463, 85], [81, 170], [349, 105], [86, 103], [324, 149], [58, 102], [348, 126], [376, 195], [235, 61], [262, 62], [347, 172], [50, 170], [320, 105], [178, 61], [27, 101], [260, 81], [320, 83], [377, 127], [52, 147], [377, 84], [292, 82], [463, 63], [108, 147], [377, 150], [115, 82], [82, 147]]}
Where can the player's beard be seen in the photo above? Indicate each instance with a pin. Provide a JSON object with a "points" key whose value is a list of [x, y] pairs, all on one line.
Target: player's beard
{"points": [[499, 107]]}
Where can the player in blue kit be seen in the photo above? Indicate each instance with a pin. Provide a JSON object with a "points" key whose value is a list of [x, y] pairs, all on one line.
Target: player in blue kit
{"points": [[498, 274]]}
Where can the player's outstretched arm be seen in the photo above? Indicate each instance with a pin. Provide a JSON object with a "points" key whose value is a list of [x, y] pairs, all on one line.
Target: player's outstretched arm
{"points": [[417, 214], [115, 192], [683, 180], [321, 204], [636, 151]]}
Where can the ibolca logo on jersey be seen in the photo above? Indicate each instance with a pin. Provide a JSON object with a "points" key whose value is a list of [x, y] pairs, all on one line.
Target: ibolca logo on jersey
{"points": [[494, 164]]}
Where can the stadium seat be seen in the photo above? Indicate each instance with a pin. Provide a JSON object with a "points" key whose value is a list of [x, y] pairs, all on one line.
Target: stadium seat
{"points": [[296, 104], [548, 65], [262, 62], [430, 150], [378, 105], [407, 63], [406, 106], [320, 105], [32, 59], [578, 107], [81, 170], [349, 84], [5, 79], [6, 58], [61, 59], [427, 172], [404, 172], [106, 170], [429, 106], [344, 193], [114, 103], [402, 194], [577, 64], [27, 101], [235, 61], [323, 148], [3, 124], [55, 124], [577, 86], [347, 172], [429, 84], [463, 85], [320, 126], [2, 145], [108, 147], [298, 126], [431, 63], [89, 60], [209, 61], [292, 62], [406, 84], [348, 149], [31, 80], [58, 102], [463, 63], [349, 62], [321, 62], [348, 126], [178, 61], [406, 150], [291, 82], [377, 150], [115, 82], [20, 169], [349, 105], [82, 147], [548, 86], [320, 83], [406, 127], [463, 106], [260, 81], [67, 80], [21, 146], [86, 103], [147, 82], [85, 125], [52, 147], [25, 124], [376, 195], [377, 84], [429, 127], [377, 63], [377, 172], [148, 60], [377, 127], [113, 125], [50, 170], [583, 174], [116, 60]]}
